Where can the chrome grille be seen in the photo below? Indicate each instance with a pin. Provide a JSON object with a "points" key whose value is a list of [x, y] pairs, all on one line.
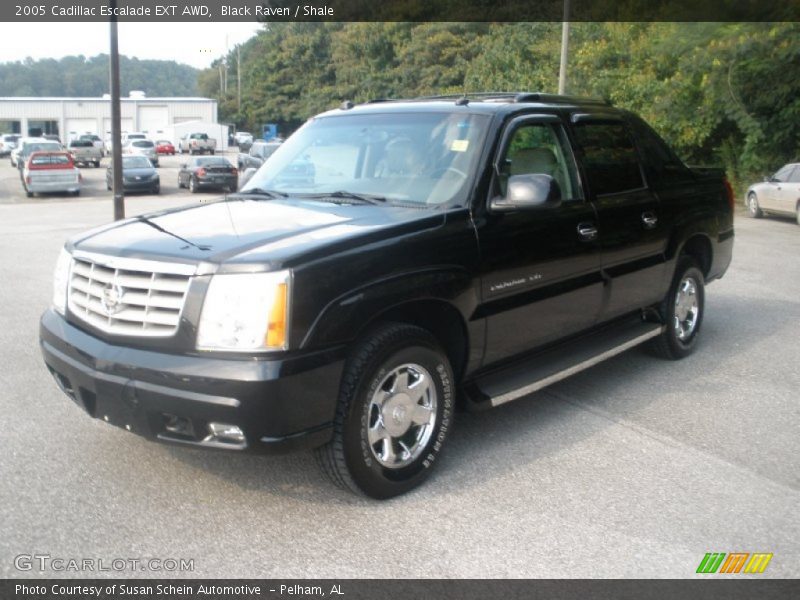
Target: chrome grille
{"points": [[128, 296]]}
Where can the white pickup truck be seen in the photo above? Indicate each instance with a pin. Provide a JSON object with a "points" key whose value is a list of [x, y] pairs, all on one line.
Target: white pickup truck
{"points": [[197, 143]]}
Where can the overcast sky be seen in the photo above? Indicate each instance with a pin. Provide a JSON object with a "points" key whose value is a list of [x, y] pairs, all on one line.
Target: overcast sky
{"points": [[196, 44]]}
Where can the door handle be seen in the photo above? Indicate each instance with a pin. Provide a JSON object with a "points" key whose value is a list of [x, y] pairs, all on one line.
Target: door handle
{"points": [[587, 231], [649, 220]]}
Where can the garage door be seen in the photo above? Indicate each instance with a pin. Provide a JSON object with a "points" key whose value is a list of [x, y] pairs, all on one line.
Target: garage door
{"points": [[153, 119], [127, 125], [77, 127]]}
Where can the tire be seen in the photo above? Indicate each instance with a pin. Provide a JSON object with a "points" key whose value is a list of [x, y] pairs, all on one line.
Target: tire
{"points": [[28, 194], [192, 185], [366, 457], [797, 213], [157, 190], [753, 207], [211, 151], [180, 185], [97, 164], [682, 312]]}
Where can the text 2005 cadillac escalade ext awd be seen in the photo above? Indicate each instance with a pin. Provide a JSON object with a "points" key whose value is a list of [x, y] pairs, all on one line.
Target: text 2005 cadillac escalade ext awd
{"points": [[440, 251]]}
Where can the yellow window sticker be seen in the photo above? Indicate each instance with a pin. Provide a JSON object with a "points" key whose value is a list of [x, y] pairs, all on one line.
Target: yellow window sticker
{"points": [[459, 145]]}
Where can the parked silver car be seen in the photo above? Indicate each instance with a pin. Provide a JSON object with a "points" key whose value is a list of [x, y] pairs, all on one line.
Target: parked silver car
{"points": [[779, 194], [146, 148]]}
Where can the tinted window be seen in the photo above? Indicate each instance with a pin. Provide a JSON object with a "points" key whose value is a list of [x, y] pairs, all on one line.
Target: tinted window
{"points": [[81, 144], [661, 164], [609, 157], [142, 144], [212, 161]]}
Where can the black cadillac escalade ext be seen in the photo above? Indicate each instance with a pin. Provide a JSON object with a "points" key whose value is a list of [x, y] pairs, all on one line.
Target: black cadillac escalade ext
{"points": [[390, 261]]}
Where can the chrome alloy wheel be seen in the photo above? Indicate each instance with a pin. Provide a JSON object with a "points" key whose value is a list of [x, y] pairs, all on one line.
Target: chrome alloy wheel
{"points": [[402, 415], [687, 308]]}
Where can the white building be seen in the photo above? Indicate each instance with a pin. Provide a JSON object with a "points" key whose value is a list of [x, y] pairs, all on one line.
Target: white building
{"points": [[69, 117]]}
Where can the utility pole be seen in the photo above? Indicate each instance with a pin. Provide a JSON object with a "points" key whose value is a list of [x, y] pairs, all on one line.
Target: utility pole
{"points": [[239, 77], [562, 72], [116, 145]]}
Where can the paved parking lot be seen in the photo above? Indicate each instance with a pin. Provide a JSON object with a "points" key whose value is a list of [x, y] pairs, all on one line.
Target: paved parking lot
{"points": [[635, 468], [93, 186]]}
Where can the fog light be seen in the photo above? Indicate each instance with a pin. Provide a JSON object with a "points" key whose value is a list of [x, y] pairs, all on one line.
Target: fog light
{"points": [[178, 425], [223, 432]]}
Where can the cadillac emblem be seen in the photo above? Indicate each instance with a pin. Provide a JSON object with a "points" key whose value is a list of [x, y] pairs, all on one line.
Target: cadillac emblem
{"points": [[112, 299]]}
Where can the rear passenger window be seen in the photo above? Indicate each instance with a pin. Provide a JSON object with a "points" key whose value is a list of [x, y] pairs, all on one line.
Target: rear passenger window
{"points": [[795, 176], [609, 157]]}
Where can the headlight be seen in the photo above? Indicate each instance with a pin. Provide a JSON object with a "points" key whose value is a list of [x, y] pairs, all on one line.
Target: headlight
{"points": [[61, 281], [247, 311]]}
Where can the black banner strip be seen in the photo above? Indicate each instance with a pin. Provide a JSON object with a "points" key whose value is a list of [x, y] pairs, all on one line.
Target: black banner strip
{"points": [[400, 10]]}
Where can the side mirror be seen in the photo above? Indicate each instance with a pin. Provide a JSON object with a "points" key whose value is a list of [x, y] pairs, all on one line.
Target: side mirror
{"points": [[527, 192], [246, 176]]}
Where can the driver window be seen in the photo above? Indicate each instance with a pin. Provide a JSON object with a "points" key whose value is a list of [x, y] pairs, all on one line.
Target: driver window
{"points": [[538, 148], [782, 175]]}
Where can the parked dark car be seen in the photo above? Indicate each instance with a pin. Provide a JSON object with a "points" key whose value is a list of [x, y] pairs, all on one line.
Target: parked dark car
{"points": [[454, 251], [138, 175], [208, 172]]}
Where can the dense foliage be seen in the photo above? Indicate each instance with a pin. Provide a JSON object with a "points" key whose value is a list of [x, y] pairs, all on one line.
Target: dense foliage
{"points": [[88, 77], [725, 94]]}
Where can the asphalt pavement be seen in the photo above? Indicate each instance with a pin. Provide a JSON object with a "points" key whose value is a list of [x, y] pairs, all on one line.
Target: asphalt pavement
{"points": [[634, 468]]}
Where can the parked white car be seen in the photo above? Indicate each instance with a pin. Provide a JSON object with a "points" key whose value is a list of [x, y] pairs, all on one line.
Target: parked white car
{"points": [[779, 194], [8, 142]]}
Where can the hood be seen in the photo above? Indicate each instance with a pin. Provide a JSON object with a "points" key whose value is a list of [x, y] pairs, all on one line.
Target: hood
{"points": [[242, 232]]}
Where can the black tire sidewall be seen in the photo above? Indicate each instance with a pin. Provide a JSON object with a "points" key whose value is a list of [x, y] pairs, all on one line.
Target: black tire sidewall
{"points": [[374, 479], [680, 348]]}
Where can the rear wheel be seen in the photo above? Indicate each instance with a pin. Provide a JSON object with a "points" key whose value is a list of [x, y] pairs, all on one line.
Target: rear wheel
{"points": [[797, 213], [192, 185], [752, 206], [682, 311], [394, 413]]}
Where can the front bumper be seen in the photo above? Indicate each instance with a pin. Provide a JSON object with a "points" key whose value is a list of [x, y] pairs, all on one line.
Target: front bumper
{"points": [[42, 187], [140, 186], [279, 404]]}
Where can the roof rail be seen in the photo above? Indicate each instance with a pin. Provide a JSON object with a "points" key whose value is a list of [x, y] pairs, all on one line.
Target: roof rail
{"points": [[558, 99], [521, 97]]}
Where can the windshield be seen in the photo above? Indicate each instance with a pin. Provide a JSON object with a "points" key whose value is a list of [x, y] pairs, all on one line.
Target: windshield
{"points": [[420, 158], [135, 162]]}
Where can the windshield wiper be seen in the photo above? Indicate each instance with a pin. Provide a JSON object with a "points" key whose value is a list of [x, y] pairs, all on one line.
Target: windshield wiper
{"points": [[344, 194], [156, 226], [261, 192]]}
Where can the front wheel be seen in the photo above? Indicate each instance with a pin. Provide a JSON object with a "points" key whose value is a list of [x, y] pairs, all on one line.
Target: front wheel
{"points": [[192, 185], [682, 311], [394, 413], [752, 206]]}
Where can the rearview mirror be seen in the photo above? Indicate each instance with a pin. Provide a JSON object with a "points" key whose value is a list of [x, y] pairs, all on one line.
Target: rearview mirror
{"points": [[527, 192]]}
